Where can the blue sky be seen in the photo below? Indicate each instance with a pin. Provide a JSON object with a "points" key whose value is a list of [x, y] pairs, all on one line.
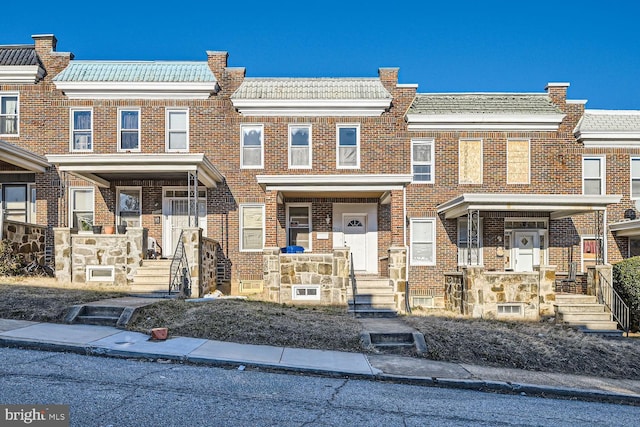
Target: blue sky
{"points": [[454, 46]]}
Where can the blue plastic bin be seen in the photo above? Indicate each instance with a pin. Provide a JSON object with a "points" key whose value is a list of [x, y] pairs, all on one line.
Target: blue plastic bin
{"points": [[292, 250]]}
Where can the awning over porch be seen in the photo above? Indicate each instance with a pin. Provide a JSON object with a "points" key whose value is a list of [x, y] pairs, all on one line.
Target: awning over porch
{"points": [[21, 158], [558, 205], [101, 169], [352, 185], [629, 228]]}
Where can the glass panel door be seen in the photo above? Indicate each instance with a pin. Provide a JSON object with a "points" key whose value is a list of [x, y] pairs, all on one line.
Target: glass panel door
{"points": [[15, 202]]}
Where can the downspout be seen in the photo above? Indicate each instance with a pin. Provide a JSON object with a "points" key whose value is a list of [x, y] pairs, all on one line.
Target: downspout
{"points": [[406, 247]]}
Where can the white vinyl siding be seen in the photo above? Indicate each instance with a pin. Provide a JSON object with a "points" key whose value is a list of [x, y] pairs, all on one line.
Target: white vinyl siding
{"points": [[252, 146], [423, 241], [422, 155]]}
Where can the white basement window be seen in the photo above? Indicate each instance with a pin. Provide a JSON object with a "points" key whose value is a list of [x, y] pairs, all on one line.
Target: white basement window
{"points": [[306, 292], [422, 301], [100, 273], [510, 310]]}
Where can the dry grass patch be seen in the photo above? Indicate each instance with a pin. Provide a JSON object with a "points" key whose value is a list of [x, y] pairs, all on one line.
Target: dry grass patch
{"points": [[43, 299], [253, 322], [536, 346]]}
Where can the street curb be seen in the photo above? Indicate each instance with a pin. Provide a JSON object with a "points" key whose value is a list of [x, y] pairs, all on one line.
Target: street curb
{"points": [[466, 384]]}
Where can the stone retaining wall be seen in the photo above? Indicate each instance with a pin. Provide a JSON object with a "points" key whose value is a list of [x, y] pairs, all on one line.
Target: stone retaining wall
{"points": [[28, 240], [328, 271], [210, 250]]}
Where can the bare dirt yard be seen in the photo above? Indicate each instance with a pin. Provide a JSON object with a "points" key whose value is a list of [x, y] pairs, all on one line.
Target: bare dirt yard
{"points": [[537, 346]]}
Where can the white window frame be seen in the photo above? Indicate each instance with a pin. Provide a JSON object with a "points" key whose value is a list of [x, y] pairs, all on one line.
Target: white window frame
{"points": [[118, 210], [431, 221], [502, 307], [296, 297], [120, 130], [528, 161], [632, 178], [249, 126], [291, 147], [603, 173], [169, 131], [90, 270], [414, 162], [31, 202], [345, 126], [604, 250], [72, 190], [462, 254], [310, 228], [17, 115], [72, 130], [241, 209], [460, 181]]}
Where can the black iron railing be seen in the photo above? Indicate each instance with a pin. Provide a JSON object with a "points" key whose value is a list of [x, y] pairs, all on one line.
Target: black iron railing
{"points": [[354, 286], [610, 298], [180, 277]]}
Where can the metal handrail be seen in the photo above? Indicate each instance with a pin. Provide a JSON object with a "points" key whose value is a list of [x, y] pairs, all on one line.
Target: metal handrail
{"points": [[610, 298], [407, 303], [354, 286], [180, 277]]}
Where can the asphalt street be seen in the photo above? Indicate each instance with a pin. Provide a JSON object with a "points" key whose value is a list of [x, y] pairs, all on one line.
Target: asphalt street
{"points": [[120, 392]]}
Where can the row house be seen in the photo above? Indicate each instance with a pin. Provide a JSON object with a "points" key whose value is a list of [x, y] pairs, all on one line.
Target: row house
{"points": [[287, 188]]}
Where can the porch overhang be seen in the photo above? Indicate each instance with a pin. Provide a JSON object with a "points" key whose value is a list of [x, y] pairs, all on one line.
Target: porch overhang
{"points": [[101, 169], [629, 228], [23, 159], [557, 205], [351, 185]]}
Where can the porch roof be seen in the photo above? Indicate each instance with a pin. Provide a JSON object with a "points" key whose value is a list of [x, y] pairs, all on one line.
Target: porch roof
{"points": [[630, 228], [101, 169], [347, 185], [22, 158], [557, 205]]}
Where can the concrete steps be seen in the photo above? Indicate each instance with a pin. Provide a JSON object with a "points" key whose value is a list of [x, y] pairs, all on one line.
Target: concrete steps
{"points": [[97, 315], [374, 298], [586, 314], [152, 277]]}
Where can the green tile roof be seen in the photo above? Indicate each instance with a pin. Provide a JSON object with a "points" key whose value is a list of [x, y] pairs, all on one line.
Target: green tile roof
{"points": [[157, 72], [482, 103]]}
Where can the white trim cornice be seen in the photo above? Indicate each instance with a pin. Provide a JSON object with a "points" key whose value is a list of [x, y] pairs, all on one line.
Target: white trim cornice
{"points": [[22, 158], [306, 107], [609, 139], [530, 122], [629, 228], [346, 180], [21, 74], [558, 205], [138, 90]]}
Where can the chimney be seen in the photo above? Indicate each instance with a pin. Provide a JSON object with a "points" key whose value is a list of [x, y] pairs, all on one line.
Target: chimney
{"points": [[389, 77], [45, 43], [217, 62], [558, 93]]}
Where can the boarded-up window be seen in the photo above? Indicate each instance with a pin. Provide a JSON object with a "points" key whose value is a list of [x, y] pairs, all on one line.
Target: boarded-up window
{"points": [[470, 161], [518, 161], [252, 218]]}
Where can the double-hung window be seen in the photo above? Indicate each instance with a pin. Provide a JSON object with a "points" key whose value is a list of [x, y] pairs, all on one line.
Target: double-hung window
{"points": [[177, 130], [422, 160], [81, 211], [593, 175], [348, 151], [129, 130], [423, 241], [8, 114], [299, 146], [635, 178], [252, 228], [252, 144], [81, 129]]}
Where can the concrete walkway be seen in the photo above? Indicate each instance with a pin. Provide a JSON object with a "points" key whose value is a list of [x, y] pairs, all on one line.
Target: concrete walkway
{"points": [[108, 341]]}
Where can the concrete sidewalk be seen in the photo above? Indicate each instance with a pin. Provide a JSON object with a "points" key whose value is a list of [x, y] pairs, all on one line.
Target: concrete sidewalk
{"points": [[108, 341]]}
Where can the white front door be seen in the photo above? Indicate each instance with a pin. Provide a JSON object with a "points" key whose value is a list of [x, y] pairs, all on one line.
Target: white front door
{"points": [[176, 214], [527, 255], [355, 237]]}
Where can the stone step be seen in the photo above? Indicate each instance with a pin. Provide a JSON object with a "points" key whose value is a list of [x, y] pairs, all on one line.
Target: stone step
{"points": [[137, 288], [581, 308], [97, 320], [392, 339], [593, 326], [153, 271], [101, 311], [580, 318], [603, 332], [575, 299], [149, 279], [387, 298], [373, 312]]}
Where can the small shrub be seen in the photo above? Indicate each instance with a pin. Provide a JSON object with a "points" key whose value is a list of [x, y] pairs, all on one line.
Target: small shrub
{"points": [[626, 281], [10, 262]]}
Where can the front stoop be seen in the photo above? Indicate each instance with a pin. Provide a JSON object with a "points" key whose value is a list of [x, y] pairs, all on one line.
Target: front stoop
{"points": [[152, 278], [374, 298], [585, 313]]}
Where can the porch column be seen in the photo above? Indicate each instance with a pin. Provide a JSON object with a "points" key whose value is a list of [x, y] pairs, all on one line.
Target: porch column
{"points": [[271, 219], [600, 228], [397, 218], [473, 236], [192, 193], [62, 254]]}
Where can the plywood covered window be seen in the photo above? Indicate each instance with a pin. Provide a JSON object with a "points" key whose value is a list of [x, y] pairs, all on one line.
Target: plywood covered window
{"points": [[470, 161], [252, 227], [518, 161]]}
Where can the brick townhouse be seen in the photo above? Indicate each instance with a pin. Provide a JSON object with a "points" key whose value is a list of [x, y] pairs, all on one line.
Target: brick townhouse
{"points": [[360, 174]]}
